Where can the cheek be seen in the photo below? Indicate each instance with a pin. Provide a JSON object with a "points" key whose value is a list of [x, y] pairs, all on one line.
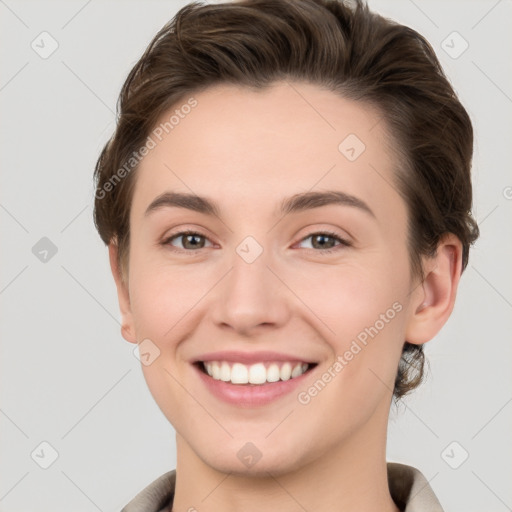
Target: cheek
{"points": [[365, 319], [360, 310], [163, 294], [165, 300], [349, 297]]}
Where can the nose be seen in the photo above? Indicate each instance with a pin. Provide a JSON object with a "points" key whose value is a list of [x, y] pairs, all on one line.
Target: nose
{"points": [[251, 297]]}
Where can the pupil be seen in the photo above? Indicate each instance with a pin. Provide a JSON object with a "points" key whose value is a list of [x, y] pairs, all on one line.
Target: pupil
{"points": [[191, 238], [323, 238]]}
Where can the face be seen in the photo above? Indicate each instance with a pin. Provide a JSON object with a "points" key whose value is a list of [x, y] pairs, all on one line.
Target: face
{"points": [[322, 285]]}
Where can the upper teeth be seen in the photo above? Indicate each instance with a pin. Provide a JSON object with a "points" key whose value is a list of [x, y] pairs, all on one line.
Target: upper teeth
{"points": [[258, 373]]}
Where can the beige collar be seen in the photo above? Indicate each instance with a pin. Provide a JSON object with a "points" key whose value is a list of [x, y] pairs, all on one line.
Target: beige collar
{"points": [[408, 487]]}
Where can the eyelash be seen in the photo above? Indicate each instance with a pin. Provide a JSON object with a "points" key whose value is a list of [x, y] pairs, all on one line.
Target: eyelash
{"points": [[335, 236]]}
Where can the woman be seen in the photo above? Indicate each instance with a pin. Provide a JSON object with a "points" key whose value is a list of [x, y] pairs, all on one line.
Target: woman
{"points": [[286, 200]]}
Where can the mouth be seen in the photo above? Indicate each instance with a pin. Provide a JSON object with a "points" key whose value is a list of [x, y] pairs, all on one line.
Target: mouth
{"points": [[252, 385], [256, 374]]}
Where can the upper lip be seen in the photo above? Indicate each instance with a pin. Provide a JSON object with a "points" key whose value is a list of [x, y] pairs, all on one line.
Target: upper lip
{"points": [[249, 357]]}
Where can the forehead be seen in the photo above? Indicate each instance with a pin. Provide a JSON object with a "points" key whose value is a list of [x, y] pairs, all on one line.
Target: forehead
{"points": [[254, 146]]}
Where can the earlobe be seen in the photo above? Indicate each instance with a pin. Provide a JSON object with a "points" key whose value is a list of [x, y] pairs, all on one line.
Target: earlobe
{"points": [[435, 297], [127, 327]]}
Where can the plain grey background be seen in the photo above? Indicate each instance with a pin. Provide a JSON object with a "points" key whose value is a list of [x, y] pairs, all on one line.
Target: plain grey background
{"points": [[70, 381]]}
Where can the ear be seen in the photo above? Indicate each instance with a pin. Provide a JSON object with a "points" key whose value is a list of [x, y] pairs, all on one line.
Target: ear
{"points": [[127, 327], [434, 298]]}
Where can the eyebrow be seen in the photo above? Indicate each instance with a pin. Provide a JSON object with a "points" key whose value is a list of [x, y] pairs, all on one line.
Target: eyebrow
{"points": [[296, 203]]}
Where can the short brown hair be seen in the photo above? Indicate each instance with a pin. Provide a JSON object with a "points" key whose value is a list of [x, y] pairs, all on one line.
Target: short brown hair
{"points": [[356, 53]]}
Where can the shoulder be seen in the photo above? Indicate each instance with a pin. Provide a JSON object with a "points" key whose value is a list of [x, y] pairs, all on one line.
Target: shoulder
{"points": [[410, 489], [156, 497]]}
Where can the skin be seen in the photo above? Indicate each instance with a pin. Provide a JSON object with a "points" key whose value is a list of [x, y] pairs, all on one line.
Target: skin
{"points": [[247, 150]]}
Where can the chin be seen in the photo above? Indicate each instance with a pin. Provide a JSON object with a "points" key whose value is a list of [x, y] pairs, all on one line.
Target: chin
{"points": [[242, 457], [273, 465]]}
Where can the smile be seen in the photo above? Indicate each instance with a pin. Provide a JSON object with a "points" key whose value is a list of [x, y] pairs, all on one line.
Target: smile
{"points": [[255, 384], [256, 374]]}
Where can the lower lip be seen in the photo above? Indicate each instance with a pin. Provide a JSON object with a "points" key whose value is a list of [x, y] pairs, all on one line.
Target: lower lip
{"points": [[250, 395]]}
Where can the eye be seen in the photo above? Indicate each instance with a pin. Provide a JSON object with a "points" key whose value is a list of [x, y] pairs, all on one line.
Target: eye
{"points": [[189, 239], [326, 242]]}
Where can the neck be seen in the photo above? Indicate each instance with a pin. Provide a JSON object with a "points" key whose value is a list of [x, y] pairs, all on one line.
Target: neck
{"points": [[350, 476]]}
